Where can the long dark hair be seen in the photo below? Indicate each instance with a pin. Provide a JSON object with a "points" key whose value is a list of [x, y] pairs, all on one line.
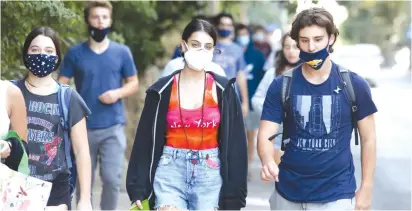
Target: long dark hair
{"points": [[199, 25], [47, 32], [280, 58]]}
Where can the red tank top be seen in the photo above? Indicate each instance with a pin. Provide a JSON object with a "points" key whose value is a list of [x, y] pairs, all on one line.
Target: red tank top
{"points": [[192, 121]]}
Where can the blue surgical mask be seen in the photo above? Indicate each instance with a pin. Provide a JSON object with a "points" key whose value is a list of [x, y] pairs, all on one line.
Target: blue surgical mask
{"points": [[98, 35], [259, 37], [41, 65], [315, 60], [243, 40], [224, 33]]}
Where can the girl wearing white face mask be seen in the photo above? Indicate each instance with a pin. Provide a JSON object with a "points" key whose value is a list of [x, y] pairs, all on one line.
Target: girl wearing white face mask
{"points": [[194, 156]]}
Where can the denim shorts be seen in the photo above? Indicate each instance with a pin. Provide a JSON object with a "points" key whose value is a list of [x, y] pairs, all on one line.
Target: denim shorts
{"points": [[182, 184]]}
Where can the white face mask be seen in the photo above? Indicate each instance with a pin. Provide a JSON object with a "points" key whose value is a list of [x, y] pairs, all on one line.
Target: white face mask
{"points": [[198, 59]]}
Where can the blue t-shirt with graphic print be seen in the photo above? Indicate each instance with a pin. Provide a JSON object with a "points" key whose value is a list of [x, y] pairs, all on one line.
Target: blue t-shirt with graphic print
{"points": [[317, 165]]}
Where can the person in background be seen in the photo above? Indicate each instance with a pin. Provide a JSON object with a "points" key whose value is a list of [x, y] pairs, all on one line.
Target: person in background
{"points": [[287, 58], [13, 117], [99, 67], [231, 57], [196, 157], [260, 41], [254, 73]]}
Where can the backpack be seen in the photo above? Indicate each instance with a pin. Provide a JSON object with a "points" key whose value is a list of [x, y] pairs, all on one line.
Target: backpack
{"points": [[345, 85], [63, 97]]}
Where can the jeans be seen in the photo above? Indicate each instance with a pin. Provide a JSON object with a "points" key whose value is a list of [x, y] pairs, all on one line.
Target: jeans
{"points": [[181, 183]]}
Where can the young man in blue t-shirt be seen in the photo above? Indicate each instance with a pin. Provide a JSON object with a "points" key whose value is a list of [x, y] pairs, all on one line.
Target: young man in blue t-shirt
{"points": [[317, 170], [99, 66]]}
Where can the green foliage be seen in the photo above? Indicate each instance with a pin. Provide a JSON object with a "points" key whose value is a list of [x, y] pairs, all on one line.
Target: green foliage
{"points": [[383, 23], [18, 18], [143, 23], [390, 17], [138, 24]]}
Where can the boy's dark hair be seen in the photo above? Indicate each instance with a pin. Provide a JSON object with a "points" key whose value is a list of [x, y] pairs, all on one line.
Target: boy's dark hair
{"points": [[47, 32], [314, 16], [222, 15], [93, 4], [258, 28], [241, 26]]}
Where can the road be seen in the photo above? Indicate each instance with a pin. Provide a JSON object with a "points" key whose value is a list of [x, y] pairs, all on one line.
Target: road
{"points": [[392, 187]]}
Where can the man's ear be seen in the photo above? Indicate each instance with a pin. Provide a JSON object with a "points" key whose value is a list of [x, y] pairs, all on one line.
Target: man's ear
{"points": [[332, 39]]}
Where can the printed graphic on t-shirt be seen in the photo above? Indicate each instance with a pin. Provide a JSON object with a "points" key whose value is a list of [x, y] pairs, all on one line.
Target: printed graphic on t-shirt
{"points": [[44, 142], [317, 117]]}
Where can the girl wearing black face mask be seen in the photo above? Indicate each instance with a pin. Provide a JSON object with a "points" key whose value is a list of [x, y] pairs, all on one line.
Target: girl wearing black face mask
{"points": [[48, 147], [286, 59]]}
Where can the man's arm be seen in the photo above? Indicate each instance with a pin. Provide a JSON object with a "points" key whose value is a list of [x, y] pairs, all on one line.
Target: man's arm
{"points": [[129, 88], [366, 126], [368, 161], [242, 83], [368, 149], [264, 146], [129, 72], [272, 116]]}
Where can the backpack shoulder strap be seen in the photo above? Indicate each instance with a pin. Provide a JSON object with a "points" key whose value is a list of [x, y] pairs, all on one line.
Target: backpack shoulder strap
{"points": [[345, 73], [64, 95], [286, 86], [348, 89], [287, 78]]}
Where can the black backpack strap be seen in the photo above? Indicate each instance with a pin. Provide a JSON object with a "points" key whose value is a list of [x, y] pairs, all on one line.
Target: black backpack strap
{"points": [[286, 85], [350, 95], [285, 92], [287, 78]]}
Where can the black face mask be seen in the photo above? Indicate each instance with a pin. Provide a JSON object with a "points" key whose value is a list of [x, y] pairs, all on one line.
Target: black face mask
{"points": [[41, 65], [98, 35]]}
